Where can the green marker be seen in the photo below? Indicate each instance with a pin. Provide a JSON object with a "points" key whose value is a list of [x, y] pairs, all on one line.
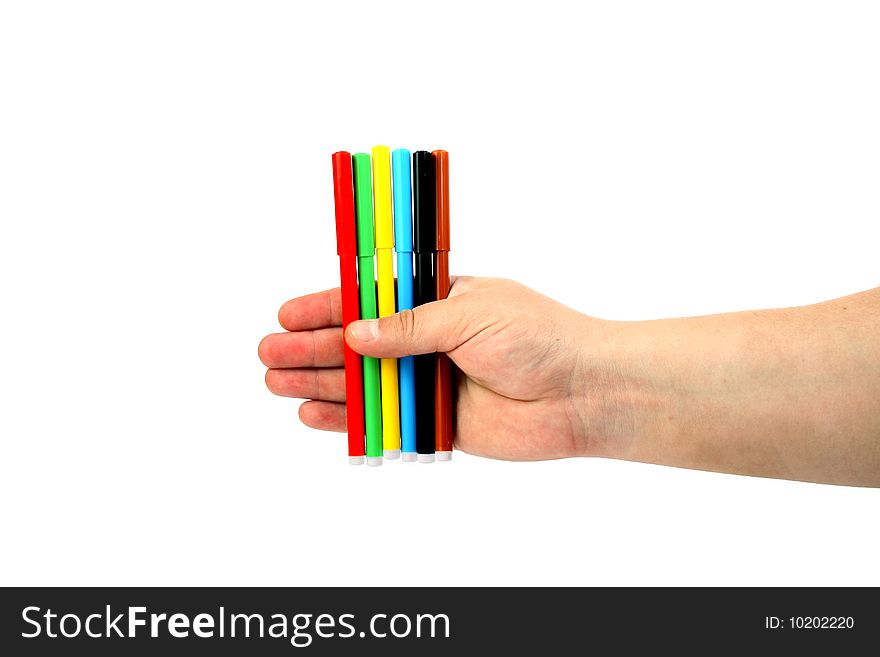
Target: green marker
{"points": [[366, 251]]}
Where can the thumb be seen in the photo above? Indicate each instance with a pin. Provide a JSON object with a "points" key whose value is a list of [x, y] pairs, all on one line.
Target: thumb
{"points": [[423, 330]]}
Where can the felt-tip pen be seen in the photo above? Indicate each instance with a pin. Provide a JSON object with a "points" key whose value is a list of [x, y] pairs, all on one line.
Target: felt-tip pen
{"points": [[382, 214], [346, 248], [443, 381], [424, 245], [403, 242], [363, 195]]}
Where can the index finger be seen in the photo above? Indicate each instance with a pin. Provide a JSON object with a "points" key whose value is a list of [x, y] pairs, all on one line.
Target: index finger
{"points": [[313, 311]]}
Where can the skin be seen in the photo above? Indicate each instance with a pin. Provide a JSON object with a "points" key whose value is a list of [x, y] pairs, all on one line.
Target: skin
{"points": [[791, 393]]}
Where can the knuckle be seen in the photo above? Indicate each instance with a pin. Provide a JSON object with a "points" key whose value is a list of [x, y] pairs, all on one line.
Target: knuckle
{"points": [[405, 324], [316, 384]]}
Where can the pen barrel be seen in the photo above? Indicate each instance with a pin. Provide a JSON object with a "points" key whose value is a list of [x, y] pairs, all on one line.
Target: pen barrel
{"points": [[441, 274], [404, 280], [385, 281], [443, 381], [372, 407], [407, 403], [425, 364], [443, 404], [354, 396], [424, 287], [390, 399], [425, 368], [406, 365], [390, 405], [372, 395]]}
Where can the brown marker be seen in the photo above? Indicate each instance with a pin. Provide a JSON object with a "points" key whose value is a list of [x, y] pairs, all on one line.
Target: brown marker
{"points": [[443, 384]]}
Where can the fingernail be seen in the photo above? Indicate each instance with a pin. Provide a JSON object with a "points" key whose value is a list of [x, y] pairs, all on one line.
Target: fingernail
{"points": [[365, 330]]}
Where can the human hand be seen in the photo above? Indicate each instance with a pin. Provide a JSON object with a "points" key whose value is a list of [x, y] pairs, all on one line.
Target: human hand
{"points": [[520, 355]]}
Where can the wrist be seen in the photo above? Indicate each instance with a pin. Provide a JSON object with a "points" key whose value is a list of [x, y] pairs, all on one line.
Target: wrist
{"points": [[622, 389]]}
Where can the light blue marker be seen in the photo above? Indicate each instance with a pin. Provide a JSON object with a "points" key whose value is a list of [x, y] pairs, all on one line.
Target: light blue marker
{"points": [[403, 242]]}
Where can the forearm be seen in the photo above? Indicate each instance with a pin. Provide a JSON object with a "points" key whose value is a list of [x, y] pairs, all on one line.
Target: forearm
{"points": [[791, 393]]}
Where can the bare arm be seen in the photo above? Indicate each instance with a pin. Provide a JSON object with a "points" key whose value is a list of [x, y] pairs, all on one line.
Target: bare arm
{"points": [[791, 393]]}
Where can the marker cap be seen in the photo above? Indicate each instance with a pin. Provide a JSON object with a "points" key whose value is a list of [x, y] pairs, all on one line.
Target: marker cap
{"points": [[343, 192], [373, 461], [443, 456], [424, 202], [391, 454], [363, 199], [423, 458], [382, 210], [409, 457], [356, 460], [441, 173], [401, 173]]}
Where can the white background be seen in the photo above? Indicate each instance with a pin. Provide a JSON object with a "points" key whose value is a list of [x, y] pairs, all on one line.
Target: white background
{"points": [[165, 185]]}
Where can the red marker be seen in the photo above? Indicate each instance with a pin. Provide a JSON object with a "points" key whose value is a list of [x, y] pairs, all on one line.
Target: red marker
{"points": [[346, 247]]}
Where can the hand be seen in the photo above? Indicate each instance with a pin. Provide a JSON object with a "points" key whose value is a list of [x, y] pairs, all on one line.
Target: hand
{"points": [[519, 354]]}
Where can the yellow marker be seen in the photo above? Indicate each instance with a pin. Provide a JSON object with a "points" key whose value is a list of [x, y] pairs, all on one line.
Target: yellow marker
{"points": [[384, 222]]}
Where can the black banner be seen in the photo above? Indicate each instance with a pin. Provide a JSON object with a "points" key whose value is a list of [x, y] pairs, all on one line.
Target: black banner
{"points": [[401, 621]]}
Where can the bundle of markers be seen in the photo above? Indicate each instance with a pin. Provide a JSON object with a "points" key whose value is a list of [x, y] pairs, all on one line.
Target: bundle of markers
{"points": [[394, 405]]}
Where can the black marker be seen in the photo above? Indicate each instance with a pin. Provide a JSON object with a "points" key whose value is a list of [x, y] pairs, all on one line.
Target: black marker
{"points": [[424, 291]]}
